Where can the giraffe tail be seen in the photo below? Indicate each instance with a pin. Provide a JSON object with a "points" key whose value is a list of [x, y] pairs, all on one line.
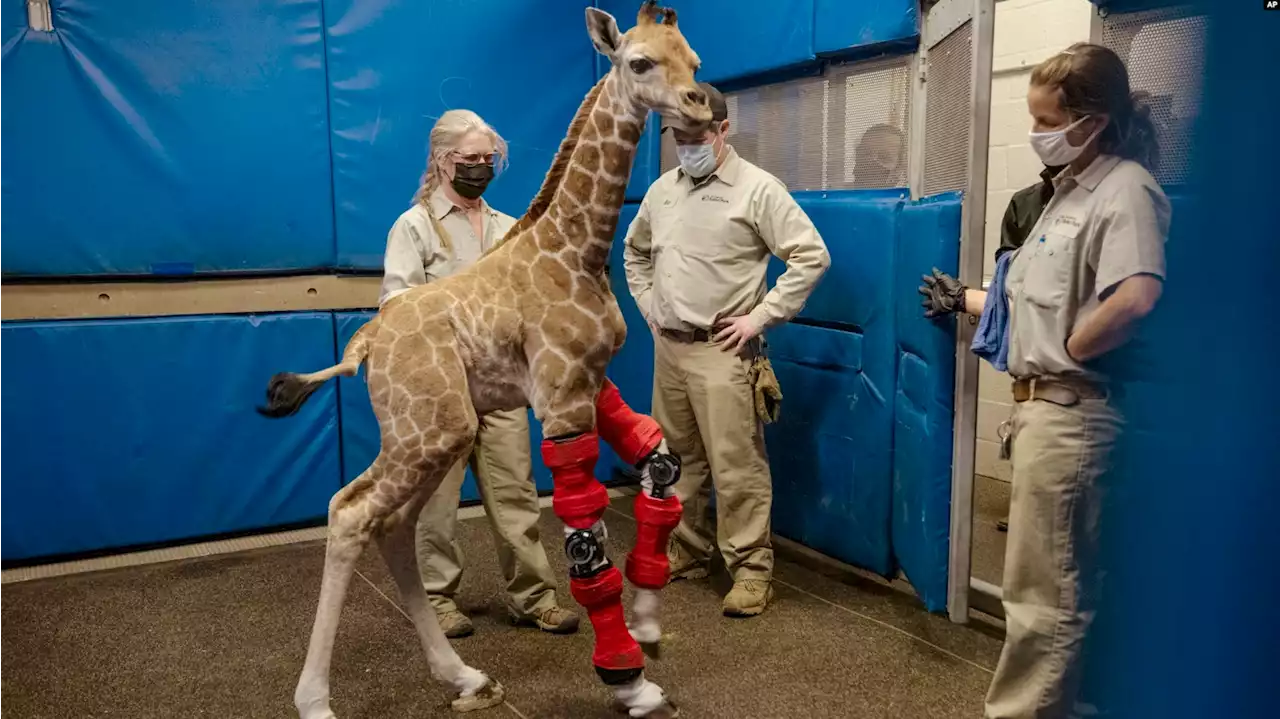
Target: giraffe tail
{"points": [[288, 391]]}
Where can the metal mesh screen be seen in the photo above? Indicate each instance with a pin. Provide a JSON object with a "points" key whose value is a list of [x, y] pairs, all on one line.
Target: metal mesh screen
{"points": [[846, 129], [1164, 51], [947, 112]]}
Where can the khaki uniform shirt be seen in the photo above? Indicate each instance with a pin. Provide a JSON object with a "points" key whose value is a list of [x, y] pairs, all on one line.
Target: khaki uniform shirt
{"points": [[415, 253], [697, 255], [1102, 226]]}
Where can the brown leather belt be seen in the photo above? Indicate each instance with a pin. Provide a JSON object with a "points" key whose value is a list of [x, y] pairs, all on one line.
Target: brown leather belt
{"points": [[686, 336], [1065, 392]]}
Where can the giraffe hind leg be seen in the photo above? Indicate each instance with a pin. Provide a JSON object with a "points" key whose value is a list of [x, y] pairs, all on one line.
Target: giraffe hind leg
{"points": [[475, 689], [347, 537]]}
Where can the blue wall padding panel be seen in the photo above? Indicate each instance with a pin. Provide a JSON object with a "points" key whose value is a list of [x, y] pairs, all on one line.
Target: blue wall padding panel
{"points": [[928, 237], [735, 38], [841, 26], [166, 137], [837, 383], [360, 436], [396, 67], [829, 451], [647, 166], [119, 433]]}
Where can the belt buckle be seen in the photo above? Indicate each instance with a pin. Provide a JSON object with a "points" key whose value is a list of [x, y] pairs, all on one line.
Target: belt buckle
{"points": [[1031, 389]]}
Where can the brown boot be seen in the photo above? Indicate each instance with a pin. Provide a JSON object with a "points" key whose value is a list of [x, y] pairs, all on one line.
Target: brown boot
{"points": [[554, 619], [455, 624], [684, 565], [748, 598]]}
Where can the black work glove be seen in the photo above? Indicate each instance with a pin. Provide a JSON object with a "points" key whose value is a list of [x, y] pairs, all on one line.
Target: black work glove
{"points": [[943, 294]]}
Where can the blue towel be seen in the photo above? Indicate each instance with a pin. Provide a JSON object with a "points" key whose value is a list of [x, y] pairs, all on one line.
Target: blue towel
{"points": [[991, 341]]}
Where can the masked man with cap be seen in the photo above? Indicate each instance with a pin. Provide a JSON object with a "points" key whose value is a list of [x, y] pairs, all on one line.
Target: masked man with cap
{"points": [[696, 256], [447, 229]]}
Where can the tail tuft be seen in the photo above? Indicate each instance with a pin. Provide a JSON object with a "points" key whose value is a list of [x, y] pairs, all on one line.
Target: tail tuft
{"points": [[286, 393]]}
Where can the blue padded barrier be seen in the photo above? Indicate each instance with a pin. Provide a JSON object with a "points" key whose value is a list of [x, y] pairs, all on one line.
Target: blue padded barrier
{"points": [[166, 138], [360, 436], [736, 39], [829, 451], [841, 27], [928, 237], [120, 433], [836, 366], [396, 67]]}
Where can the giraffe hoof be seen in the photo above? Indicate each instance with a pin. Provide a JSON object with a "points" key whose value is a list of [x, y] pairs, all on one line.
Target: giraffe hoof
{"points": [[490, 695]]}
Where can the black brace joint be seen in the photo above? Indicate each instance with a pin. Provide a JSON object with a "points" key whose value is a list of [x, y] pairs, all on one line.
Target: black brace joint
{"points": [[664, 472], [586, 554]]}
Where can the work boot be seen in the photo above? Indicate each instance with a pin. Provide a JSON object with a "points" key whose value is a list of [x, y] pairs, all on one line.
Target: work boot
{"points": [[554, 619], [748, 598], [685, 565], [455, 624]]}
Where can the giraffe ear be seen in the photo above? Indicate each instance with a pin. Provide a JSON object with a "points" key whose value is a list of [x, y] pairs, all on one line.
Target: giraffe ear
{"points": [[603, 30]]}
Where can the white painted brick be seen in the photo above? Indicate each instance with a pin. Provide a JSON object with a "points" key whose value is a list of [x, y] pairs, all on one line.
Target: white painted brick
{"points": [[1028, 32], [997, 169], [1023, 166], [990, 416], [1009, 123], [987, 462], [994, 386], [1010, 86]]}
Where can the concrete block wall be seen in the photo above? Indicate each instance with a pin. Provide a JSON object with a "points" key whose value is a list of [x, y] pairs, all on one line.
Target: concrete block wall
{"points": [[1027, 31]]}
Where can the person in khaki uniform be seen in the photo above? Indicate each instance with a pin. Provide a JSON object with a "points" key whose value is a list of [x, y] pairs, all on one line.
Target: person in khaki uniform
{"points": [[1091, 269], [447, 229], [695, 258]]}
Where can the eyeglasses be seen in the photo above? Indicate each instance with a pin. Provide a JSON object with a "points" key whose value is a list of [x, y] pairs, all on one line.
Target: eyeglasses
{"points": [[474, 158]]}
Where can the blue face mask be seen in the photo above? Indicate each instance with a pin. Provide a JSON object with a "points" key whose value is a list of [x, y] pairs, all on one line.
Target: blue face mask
{"points": [[697, 160]]}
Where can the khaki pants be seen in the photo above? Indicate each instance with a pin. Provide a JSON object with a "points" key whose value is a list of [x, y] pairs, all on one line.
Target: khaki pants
{"points": [[705, 405], [503, 470], [1059, 454]]}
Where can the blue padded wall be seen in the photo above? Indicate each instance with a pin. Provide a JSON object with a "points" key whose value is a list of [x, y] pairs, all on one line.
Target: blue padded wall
{"points": [[360, 436], [396, 67], [831, 451], [841, 26], [735, 38], [165, 137], [928, 237], [129, 432]]}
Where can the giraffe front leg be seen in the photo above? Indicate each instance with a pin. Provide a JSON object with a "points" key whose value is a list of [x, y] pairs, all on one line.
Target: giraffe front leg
{"points": [[580, 501], [637, 439]]}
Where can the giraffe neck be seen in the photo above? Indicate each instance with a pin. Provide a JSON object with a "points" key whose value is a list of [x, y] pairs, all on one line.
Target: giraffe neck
{"points": [[584, 212]]}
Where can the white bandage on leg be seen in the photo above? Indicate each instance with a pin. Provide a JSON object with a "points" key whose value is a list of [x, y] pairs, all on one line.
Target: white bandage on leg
{"points": [[644, 617], [640, 696]]}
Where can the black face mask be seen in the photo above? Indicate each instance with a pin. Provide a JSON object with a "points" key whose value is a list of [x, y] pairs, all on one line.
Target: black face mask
{"points": [[470, 181]]}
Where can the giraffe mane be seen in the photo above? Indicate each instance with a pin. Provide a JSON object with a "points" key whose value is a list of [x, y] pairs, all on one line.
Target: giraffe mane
{"points": [[542, 200]]}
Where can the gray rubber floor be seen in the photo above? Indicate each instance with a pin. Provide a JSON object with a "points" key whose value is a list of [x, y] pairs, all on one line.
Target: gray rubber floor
{"points": [[226, 636]]}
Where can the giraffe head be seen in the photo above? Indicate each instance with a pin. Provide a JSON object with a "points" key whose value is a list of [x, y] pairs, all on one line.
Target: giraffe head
{"points": [[653, 63]]}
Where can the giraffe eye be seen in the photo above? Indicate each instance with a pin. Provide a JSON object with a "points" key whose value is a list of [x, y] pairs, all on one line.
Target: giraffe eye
{"points": [[641, 65]]}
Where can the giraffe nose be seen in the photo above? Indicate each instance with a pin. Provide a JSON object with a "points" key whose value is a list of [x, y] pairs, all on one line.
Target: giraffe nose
{"points": [[697, 97]]}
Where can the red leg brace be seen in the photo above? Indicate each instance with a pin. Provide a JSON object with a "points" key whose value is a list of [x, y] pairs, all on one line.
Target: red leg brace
{"points": [[647, 565], [616, 652], [634, 436], [579, 501], [631, 434]]}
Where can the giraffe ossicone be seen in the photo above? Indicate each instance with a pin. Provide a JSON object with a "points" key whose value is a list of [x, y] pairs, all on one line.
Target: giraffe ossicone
{"points": [[532, 323]]}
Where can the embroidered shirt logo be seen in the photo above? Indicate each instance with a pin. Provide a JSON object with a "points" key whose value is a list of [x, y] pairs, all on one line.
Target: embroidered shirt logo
{"points": [[714, 198]]}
